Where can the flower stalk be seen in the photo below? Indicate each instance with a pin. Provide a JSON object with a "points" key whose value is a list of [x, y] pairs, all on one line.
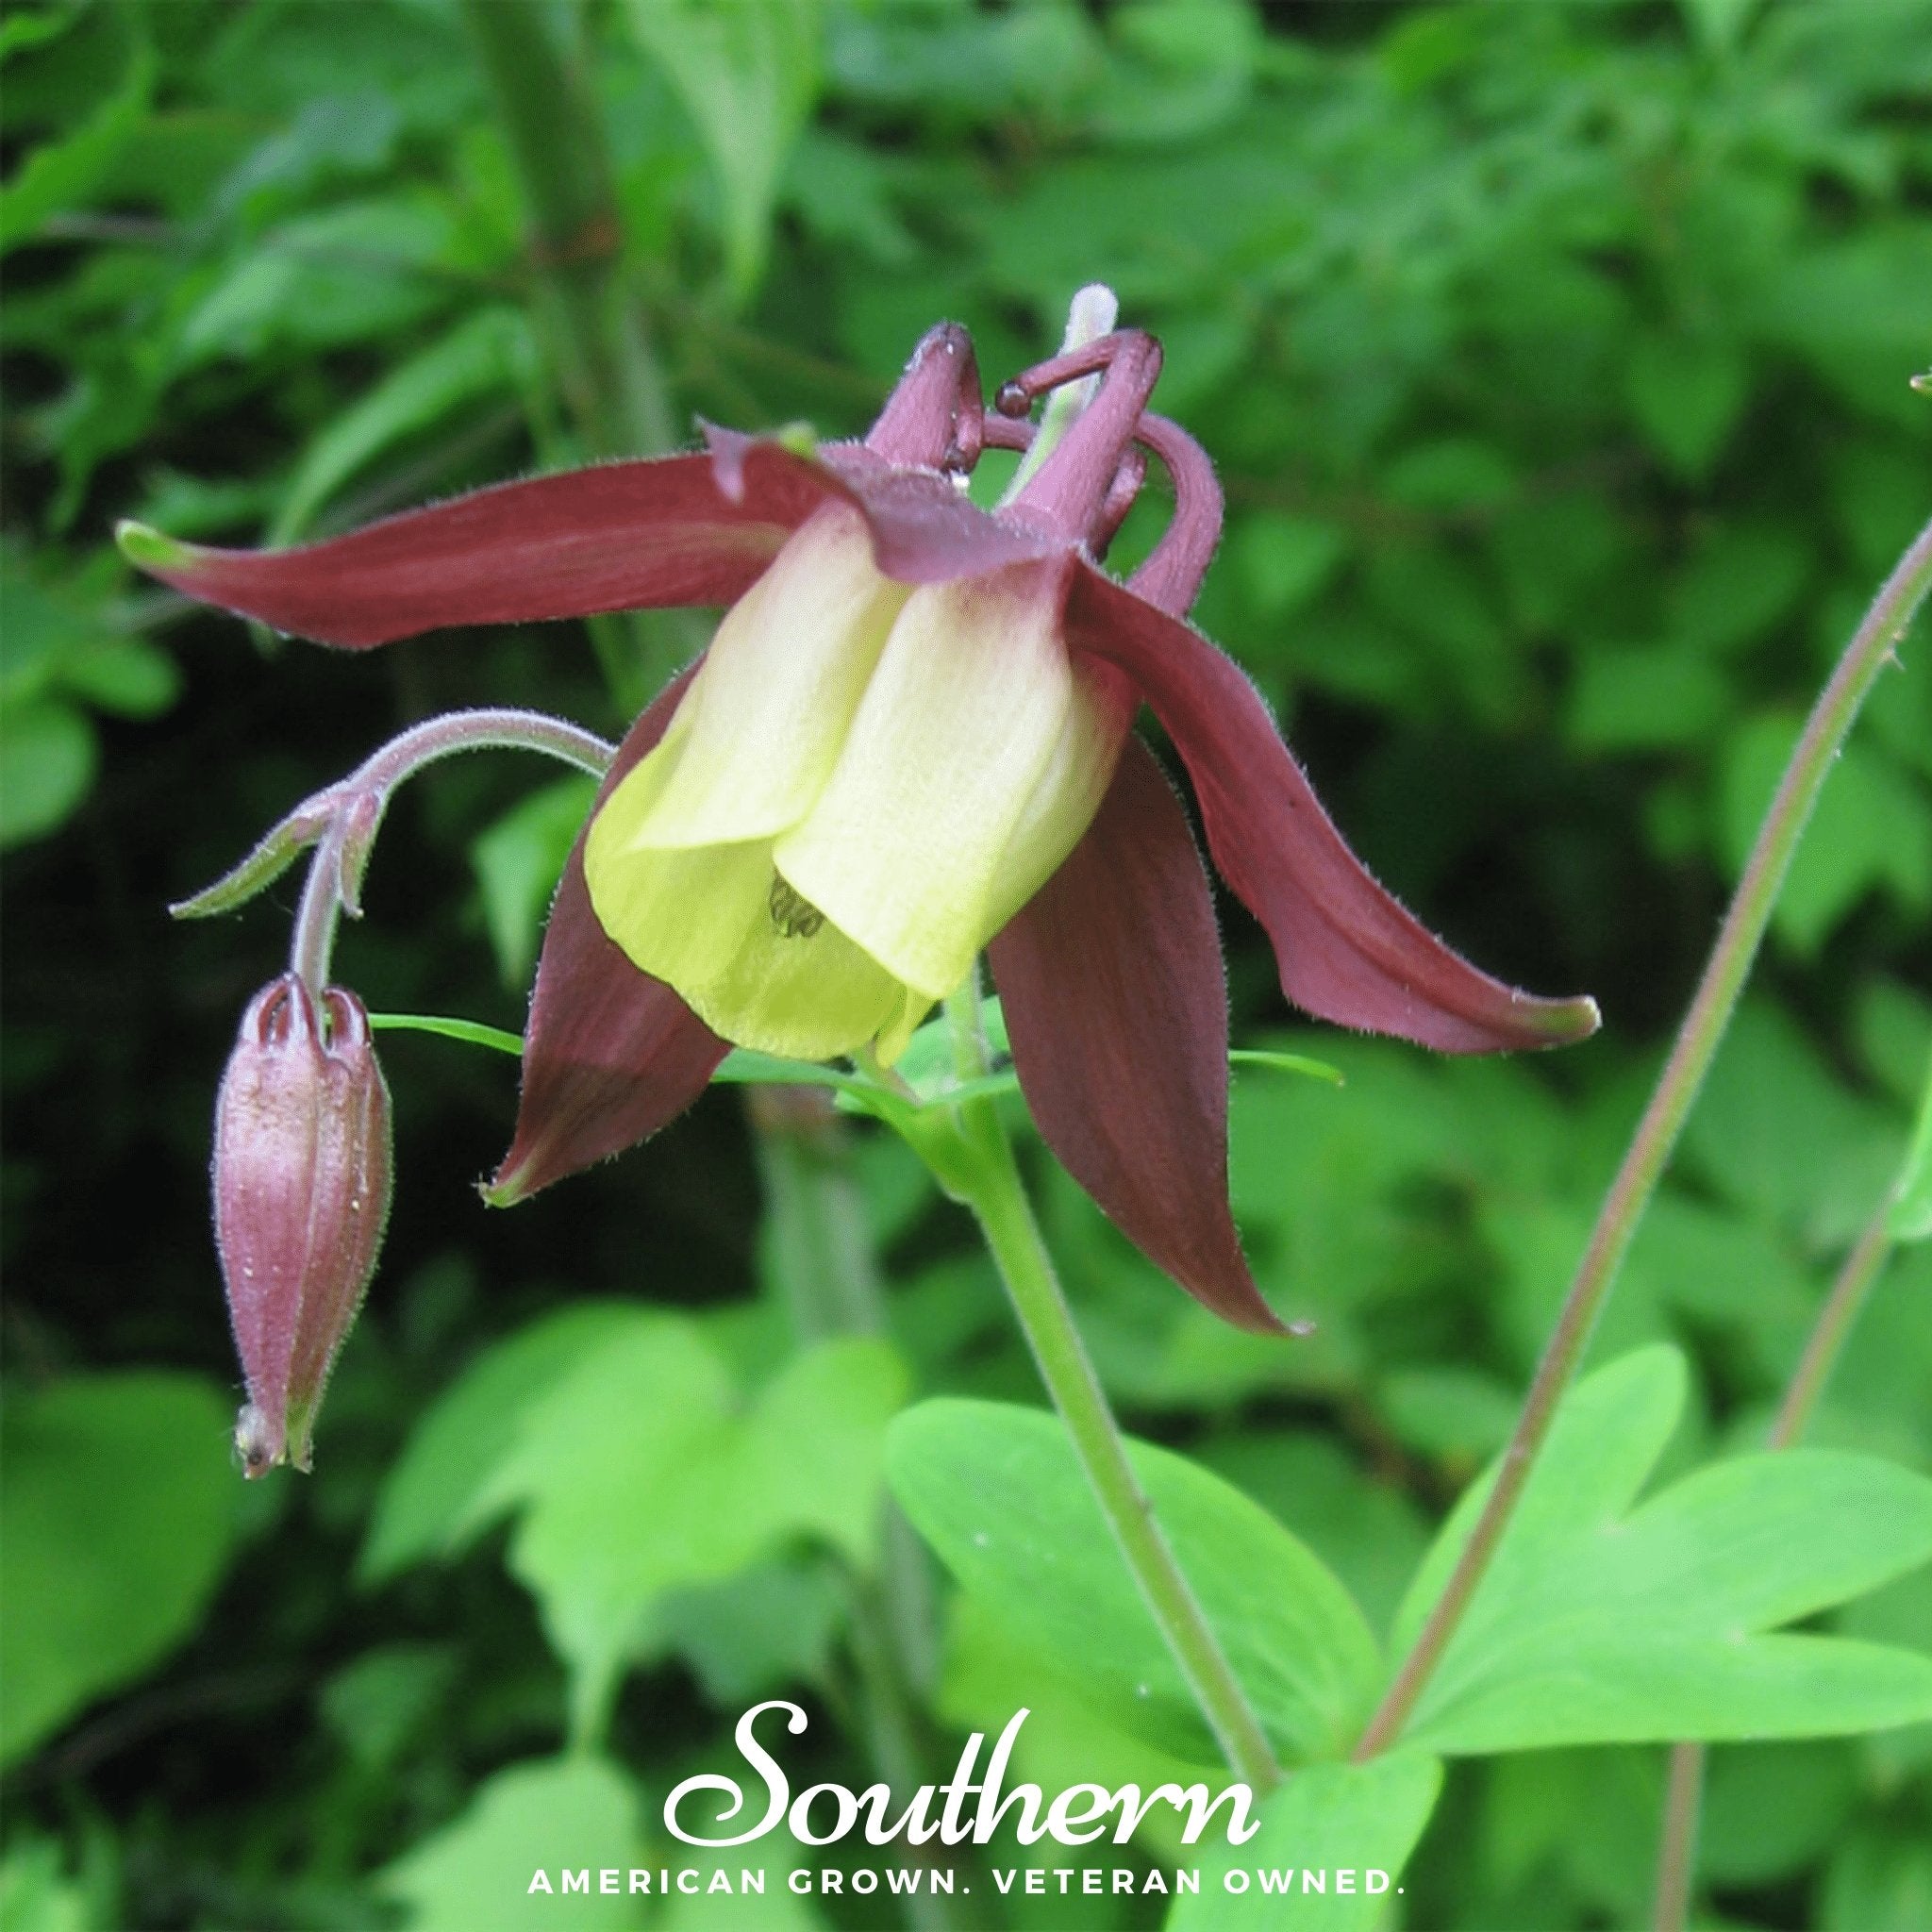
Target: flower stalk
{"points": [[341, 822], [1870, 649], [980, 1169], [1832, 1327]]}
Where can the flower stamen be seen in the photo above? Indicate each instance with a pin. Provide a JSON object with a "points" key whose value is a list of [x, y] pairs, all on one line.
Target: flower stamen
{"points": [[793, 916]]}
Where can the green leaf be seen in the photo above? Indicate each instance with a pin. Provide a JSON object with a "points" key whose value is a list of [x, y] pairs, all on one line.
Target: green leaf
{"points": [[1067, 1739], [1456, 1415], [35, 1894], [1880, 1881], [120, 1505], [432, 1503], [21, 32], [67, 640], [1363, 1526], [1855, 306], [747, 74], [1182, 68], [1329, 1821], [1284, 562], [127, 676], [1579, 1826], [1772, 1809], [335, 275], [1739, 585], [379, 1703], [578, 1812], [1456, 473], [483, 356], [519, 860], [812, 1460], [1739, 1138], [1871, 829], [1911, 1219], [997, 1491], [1597, 1623], [60, 174], [619, 1442], [748, 1637], [1646, 697], [1891, 1037], [1719, 23], [1686, 393], [47, 759]]}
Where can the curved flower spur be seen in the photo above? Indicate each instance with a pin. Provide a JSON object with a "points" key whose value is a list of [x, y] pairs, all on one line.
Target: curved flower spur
{"points": [[911, 739]]}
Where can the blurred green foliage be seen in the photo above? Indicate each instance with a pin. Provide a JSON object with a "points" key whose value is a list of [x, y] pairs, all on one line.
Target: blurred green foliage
{"points": [[1555, 359]]}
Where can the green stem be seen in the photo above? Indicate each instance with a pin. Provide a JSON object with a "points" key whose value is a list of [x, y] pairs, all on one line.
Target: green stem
{"points": [[1867, 655], [981, 1169], [591, 319], [1676, 1860], [554, 126], [827, 1274]]}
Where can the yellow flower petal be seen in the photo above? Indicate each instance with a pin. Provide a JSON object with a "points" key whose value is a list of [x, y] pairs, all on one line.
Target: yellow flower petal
{"points": [[751, 958], [758, 732], [977, 758]]}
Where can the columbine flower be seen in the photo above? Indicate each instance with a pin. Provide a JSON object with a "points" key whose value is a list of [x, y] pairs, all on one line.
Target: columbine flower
{"points": [[302, 1190], [909, 741]]}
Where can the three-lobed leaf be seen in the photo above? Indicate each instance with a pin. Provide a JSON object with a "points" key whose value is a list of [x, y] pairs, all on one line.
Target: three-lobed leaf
{"points": [[1600, 1623], [998, 1493], [620, 1442]]}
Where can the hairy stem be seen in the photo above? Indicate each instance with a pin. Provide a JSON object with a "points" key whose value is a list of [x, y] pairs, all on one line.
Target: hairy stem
{"points": [[985, 1174], [312, 943], [487, 727], [353, 810], [1676, 1861], [1869, 650], [1828, 1333], [1677, 1858]]}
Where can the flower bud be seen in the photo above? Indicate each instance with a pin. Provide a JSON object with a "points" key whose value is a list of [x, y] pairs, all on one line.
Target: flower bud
{"points": [[300, 1195]]}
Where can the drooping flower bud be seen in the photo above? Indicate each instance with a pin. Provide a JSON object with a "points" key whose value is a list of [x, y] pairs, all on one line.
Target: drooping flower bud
{"points": [[301, 1196]]}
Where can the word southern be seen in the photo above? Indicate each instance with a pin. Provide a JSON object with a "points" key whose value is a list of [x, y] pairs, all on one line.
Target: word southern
{"points": [[825, 1813]]}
